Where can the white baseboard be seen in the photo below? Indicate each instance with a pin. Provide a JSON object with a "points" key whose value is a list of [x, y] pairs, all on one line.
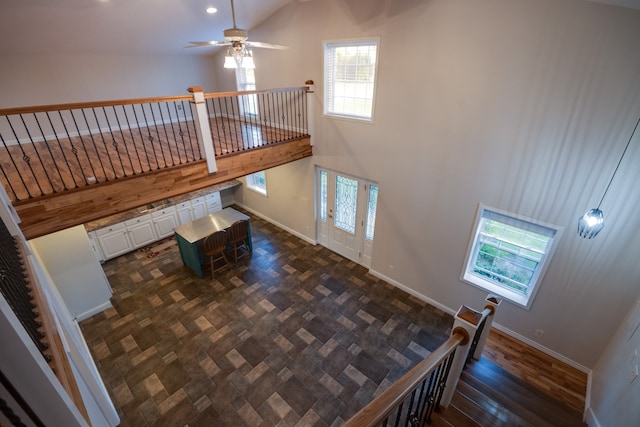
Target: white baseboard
{"points": [[277, 224], [590, 418], [413, 292], [94, 310]]}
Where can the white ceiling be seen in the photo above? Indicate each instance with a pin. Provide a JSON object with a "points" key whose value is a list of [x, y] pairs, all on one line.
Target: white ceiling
{"points": [[133, 26], [123, 26]]}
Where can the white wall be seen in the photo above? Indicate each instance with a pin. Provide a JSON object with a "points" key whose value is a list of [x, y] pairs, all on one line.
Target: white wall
{"points": [[614, 398], [55, 79], [284, 197], [522, 105]]}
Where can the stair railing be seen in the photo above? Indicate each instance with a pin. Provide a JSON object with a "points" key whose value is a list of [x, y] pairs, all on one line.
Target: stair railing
{"points": [[20, 288], [430, 384]]}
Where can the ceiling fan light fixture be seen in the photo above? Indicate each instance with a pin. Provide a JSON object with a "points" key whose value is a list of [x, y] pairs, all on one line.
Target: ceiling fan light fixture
{"points": [[247, 60], [229, 60]]}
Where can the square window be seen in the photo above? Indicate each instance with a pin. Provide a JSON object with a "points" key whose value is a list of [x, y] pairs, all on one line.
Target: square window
{"points": [[508, 254], [257, 182], [349, 78]]}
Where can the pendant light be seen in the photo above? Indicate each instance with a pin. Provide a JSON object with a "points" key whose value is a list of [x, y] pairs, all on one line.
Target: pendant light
{"points": [[592, 222]]}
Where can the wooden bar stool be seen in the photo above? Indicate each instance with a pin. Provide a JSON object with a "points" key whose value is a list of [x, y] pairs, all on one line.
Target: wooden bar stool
{"points": [[239, 239], [214, 247]]}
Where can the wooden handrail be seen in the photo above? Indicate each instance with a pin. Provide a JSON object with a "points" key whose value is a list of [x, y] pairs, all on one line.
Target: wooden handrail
{"points": [[388, 400], [115, 102], [93, 104], [253, 92]]}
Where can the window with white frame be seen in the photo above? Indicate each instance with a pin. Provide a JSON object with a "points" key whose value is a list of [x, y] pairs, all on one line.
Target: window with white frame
{"points": [[349, 78], [257, 182], [508, 254], [246, 80], [372, 205]]}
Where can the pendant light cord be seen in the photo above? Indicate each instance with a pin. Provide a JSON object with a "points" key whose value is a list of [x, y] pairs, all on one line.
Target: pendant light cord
{"points": [[619, 161]]}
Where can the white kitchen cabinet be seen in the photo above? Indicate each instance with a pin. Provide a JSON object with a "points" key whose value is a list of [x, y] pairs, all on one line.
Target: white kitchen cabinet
{"points": [[198, 208], [165, 221], [184, 212], [95, 247], [113, 240], [141, 231], [213, 201]]}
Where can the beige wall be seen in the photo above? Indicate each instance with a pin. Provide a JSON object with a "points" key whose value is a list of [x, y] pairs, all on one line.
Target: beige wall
{"points": [[55, 79], [522, 105]]}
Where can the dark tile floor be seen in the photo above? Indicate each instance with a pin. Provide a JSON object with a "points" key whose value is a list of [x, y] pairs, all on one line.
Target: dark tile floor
{"points": [[297, 335]]}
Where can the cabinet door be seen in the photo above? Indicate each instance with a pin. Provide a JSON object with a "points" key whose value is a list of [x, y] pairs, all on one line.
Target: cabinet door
{"points": [[184, 212], [165, 221], [214, 203], [141, 231], [95, 247], [114, 242], [199, 208]]}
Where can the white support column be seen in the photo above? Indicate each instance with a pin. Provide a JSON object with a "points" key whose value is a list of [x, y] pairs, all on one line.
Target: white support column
{"points": [[311, 109], [466, 321], [492, 303], [203, 130]]}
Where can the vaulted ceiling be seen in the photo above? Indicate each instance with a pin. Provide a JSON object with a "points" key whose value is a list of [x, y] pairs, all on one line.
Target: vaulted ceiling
{"points": [[122, 26], [138, 26]]}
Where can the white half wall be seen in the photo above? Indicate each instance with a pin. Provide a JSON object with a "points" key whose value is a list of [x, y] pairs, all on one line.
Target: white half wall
{"points": [[70, 261]]}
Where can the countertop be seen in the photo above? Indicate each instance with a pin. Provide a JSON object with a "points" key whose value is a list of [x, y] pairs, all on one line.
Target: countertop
{"points": [[201, 228], [123, 216]]}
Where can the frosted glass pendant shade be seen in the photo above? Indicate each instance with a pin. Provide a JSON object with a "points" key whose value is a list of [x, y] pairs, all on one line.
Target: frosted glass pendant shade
{"points": [[247, 60], [590, 224], [229, 60]]}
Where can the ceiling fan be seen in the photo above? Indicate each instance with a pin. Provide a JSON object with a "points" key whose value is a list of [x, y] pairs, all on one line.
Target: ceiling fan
{"points": [[239, 54]]}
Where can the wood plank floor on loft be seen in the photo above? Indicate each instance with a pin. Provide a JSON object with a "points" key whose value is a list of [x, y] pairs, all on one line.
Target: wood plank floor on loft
{"points": [[66, 162], [297, 335]]}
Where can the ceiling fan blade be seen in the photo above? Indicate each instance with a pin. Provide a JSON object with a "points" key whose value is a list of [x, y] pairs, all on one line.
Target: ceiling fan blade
{"points": [[266, 45], [210, 43]]}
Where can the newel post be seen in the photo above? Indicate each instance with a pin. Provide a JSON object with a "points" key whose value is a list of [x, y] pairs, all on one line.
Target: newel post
{"points": [[203, 130], [466, 321], [311, 110], [492, 303]]}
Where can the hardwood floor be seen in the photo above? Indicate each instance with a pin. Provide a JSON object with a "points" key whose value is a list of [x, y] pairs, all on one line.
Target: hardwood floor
{"points": [[488, 395], [67, 162], [514, 384], [543, 372]]}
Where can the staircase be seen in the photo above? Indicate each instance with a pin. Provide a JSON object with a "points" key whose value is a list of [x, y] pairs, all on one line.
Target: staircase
{"points": [[488, 395]]}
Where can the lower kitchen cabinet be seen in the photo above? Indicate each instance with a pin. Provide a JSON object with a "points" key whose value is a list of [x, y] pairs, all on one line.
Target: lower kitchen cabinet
{"points": [[123, 237], [113, 240], [213, 201], [141, 231], [164, 221]]}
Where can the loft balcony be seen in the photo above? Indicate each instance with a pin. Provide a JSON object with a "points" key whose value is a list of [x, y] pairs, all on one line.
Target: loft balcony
{"points": [[67, 164]]}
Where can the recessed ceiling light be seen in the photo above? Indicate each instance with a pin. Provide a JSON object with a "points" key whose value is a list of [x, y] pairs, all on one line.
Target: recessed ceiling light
{"points": [[211, 10]]}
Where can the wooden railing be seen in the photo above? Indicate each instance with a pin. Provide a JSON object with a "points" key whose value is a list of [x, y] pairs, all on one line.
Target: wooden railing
{"points": [[21, 289], [55, 148], [413, 398], [429, 385]]}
